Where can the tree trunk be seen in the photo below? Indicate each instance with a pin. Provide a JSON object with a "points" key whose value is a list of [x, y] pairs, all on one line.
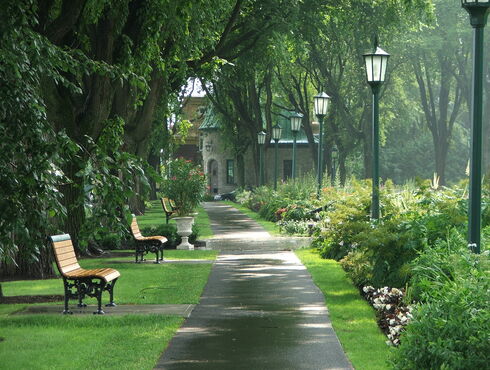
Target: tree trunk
{"points": [[73, 200], [441, 149], [154, 162]]}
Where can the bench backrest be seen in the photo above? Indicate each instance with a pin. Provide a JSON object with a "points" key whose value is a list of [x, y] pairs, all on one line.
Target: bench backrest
{"points": [[64, 253], [167, 207], [135, 230], [173, 205]]}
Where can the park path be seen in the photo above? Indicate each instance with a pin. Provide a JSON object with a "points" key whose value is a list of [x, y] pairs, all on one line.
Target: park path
{"points": [[259, 310]]}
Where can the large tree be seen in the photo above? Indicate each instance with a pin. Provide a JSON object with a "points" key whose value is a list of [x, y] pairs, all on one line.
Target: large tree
{"points": [[439, 58]]}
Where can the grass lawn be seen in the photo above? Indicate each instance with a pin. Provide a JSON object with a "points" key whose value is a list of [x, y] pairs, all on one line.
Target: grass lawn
{"points": [[127, 342], [353, 319], [155, 216], [139, 283], [269, 226], [94, 342]]}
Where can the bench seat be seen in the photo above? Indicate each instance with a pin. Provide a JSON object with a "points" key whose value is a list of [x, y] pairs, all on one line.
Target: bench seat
{"points": [[106, 274]]}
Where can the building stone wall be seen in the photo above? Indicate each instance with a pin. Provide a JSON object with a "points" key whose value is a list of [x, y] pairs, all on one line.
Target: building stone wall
{"points": [[213, 149], [215, 155]]}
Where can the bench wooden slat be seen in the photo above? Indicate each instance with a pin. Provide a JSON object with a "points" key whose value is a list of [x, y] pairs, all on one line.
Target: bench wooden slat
{"points": [[67, 262], [62, 250], [63, 243], [66, 270], [66, 257]]}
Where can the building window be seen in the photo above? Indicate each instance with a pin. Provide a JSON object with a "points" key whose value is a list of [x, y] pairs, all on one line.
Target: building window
{"points": [[201, 142], [287, 169], [230, 171]]}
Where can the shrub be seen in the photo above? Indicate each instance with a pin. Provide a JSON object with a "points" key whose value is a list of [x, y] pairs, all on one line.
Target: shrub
{"points": [[300, 228], [186, 185], [451, 331], [450, 328], [358, 267], [170, 232]]}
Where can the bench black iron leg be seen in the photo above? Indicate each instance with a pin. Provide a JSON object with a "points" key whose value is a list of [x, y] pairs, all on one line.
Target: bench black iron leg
{"points": [[157, 259], [99, 289], [110, 289], [66, 311]]}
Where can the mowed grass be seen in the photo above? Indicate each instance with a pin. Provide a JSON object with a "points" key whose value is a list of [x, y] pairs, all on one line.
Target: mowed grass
{"points": [[269, 226], [352, 318], [144, 283], [155, 216], [102, 342], [93, 342]]}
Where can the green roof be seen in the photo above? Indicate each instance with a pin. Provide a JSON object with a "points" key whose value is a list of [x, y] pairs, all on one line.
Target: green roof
{"points": [[211, 121], [287, 134]]}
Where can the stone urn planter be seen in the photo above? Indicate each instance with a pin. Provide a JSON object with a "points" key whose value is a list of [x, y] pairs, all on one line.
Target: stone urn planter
{"points": [[184, 229]]}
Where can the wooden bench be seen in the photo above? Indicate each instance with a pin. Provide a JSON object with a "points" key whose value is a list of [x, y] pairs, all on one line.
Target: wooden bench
{"points": [[80, 282], [169, 207], [145, 244]]}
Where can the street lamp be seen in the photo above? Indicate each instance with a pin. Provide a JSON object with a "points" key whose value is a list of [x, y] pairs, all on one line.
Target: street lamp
{"points": [[261, 140], [335, 156], [376, 63], [296, 119], [478, 11], [276, 135], [321, 107]]}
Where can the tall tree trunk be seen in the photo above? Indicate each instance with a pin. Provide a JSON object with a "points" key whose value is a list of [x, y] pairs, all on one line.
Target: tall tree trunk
{"points": [[441, 151], [73, 200], [154, 162]]}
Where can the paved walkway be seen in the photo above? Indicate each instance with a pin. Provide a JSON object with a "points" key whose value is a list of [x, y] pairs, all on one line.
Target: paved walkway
{"points": [[259, 310], [229, 223]]}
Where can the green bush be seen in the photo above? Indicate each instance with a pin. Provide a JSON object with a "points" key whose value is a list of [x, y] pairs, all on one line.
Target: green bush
{"points": [[170, 232], [451, 330], [299, 228], [358, 268], [346, 215], [413, 218]]}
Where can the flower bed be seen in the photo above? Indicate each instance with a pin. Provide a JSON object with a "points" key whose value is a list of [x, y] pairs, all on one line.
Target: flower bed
{"points": [[393, 314]]}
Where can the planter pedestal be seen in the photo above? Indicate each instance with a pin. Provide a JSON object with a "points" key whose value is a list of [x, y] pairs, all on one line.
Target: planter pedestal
{"points": [[184, 229]]}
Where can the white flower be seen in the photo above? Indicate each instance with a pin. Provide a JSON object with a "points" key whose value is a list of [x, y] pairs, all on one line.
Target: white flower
{"points": [[396, 292]]}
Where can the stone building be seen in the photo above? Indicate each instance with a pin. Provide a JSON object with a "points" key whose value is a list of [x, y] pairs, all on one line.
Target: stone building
{"points": [[220, 163]]}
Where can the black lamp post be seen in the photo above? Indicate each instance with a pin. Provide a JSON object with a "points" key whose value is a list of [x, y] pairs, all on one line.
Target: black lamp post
{"points": [[376, 63], [295, 119], [261, 140], [335, 156], [321, 108], [276, 135], [478, 11]]}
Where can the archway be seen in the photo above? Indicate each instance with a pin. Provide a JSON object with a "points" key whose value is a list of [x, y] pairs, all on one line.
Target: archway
{"points": [[213, 176]]}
